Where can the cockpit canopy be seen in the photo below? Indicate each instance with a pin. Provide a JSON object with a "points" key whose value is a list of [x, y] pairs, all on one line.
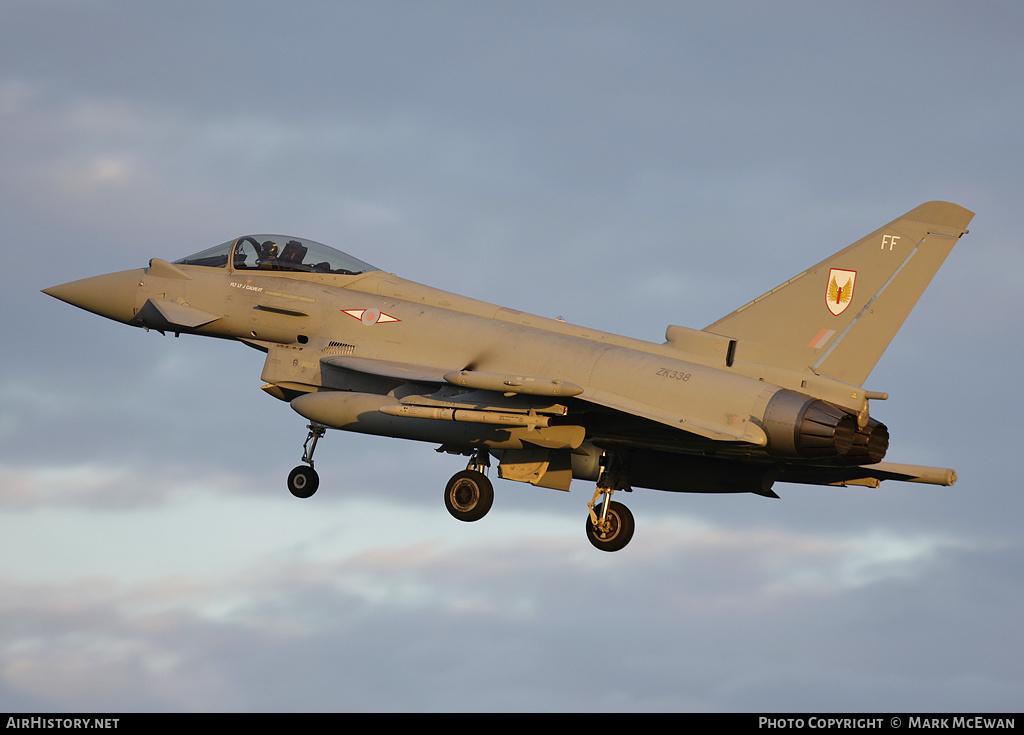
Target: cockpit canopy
{"points": [[278, 253]]}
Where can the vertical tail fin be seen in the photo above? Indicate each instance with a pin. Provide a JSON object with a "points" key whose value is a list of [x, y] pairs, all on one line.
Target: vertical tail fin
{"points": [[838, 317]]}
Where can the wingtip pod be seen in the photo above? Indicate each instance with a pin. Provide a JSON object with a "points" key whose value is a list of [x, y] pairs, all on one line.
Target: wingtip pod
{"points": [[871, 475], [942, 476]]}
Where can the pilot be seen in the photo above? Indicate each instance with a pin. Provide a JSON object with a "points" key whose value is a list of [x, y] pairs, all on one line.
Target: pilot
{"points": [[269, 255]]}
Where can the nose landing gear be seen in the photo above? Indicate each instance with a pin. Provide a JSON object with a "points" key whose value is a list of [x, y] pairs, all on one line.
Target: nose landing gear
{"points": [[303, 481]]}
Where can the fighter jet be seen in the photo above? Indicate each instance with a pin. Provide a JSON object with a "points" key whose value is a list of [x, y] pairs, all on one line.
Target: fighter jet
{"points": [[769, 393]]}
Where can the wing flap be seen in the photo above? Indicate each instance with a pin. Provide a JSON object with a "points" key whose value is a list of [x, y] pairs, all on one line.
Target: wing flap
{"points": [[745, 432]]}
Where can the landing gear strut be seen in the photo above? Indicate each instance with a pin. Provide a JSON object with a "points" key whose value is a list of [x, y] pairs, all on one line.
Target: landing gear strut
{"points": [[610, 525], [469, 493], [303, 481]]}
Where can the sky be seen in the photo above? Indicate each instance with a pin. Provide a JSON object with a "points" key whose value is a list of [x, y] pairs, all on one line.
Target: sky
{"points": [[623, 165]]}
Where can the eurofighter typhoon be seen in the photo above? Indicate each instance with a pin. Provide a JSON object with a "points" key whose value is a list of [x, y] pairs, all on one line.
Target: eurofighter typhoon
{"points": [[769, 393]]}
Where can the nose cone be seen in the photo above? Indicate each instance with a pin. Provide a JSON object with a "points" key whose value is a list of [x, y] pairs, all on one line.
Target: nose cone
{"points": [[111, 295]]}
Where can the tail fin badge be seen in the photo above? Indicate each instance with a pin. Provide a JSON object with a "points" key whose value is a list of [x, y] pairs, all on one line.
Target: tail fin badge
{"points": [[839, 293]]}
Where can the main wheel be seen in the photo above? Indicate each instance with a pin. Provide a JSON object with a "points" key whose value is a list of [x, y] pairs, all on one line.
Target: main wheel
{"points": [[469, 495], [618, 528], [303, 481]]}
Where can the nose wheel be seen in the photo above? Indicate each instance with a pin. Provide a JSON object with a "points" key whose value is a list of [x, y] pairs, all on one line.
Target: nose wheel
{"points": [[303, 481]]}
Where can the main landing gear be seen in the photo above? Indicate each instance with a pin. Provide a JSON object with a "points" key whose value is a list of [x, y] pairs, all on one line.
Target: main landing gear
{"points": [[610, 525], [303, 481], [469, 494]]}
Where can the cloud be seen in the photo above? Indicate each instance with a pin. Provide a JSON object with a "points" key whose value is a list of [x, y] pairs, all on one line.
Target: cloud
{"points": [[697, 618]]}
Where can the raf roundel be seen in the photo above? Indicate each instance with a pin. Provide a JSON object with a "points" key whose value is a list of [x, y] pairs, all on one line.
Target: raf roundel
{"points": [[371, 316]]}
